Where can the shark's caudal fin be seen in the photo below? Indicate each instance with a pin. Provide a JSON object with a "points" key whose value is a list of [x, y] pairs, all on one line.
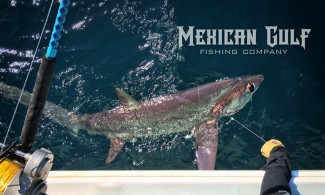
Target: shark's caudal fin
{"points": [[206, 138], [54, 112], [64, 117]]}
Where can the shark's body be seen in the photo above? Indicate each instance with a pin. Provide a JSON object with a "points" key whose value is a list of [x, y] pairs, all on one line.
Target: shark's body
{"points": [[199, 108]]}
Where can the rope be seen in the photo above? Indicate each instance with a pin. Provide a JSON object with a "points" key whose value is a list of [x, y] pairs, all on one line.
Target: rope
{"points": [[29, 70], [232, 119]]}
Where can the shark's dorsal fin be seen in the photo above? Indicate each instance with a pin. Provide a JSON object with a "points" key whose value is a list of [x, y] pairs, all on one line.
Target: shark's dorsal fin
{"points": [[114, 149], [126, 99]]}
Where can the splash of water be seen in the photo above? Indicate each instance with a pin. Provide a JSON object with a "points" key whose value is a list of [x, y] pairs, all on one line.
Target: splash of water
{"points": [[158, 28]]}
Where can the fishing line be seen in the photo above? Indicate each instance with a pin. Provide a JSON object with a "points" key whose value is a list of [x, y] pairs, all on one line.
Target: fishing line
{"points": [[232, 119], [28, 73]]}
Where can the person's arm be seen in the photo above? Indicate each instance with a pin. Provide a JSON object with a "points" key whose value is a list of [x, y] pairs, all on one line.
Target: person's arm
{"points": [[278, 171]]}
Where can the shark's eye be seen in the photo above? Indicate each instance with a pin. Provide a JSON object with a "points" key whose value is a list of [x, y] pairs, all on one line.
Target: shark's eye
{"points": [[250, 87]]}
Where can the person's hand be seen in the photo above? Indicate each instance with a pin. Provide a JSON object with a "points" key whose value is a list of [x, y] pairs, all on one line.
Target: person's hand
{"points": [[269, 145]]}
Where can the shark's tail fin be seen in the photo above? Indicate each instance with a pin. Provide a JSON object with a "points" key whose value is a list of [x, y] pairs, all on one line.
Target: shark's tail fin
{"points": [[52, 111]]}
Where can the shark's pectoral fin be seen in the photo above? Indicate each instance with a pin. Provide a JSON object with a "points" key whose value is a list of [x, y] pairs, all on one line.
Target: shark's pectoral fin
{"points": [[206, 138], [126, 99], [115, 147]]}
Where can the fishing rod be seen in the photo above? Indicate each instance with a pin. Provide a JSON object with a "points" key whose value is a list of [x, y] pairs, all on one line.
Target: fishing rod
{"points": [[43, 81], [20, 171]]}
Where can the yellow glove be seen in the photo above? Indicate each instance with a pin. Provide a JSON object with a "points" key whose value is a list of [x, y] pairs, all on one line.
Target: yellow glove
{"points": [[268, 146]]}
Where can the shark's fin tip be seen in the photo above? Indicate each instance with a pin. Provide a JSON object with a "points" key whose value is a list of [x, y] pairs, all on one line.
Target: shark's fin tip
{"points": [[126, 99], [115, 147]]}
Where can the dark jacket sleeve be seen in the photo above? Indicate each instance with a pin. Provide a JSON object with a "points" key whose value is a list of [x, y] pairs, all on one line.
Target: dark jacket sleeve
{"points": [[277, 174]]}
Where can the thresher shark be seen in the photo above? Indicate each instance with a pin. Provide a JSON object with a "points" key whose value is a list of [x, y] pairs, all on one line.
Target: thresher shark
{"points": [[198, 109]]}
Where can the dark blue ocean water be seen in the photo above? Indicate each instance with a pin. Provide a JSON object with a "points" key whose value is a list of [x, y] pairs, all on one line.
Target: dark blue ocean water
{"points": [[134, 45]]}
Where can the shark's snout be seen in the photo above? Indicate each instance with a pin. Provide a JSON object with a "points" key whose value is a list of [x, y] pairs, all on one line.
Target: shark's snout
{"points": [[259, 77]]}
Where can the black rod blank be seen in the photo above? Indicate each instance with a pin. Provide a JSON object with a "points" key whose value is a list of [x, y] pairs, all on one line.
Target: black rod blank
{"points": [[37, 103]]}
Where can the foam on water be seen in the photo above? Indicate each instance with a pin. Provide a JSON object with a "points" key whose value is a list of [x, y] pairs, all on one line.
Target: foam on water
{"points": [[157, 27]]}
